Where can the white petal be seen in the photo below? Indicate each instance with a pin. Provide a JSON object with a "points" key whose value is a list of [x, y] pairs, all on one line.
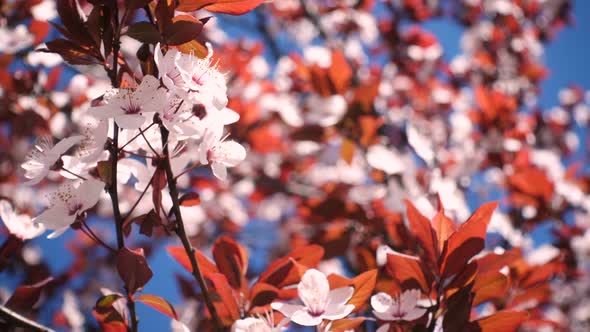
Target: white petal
{"points": [[233, 153], [229, 116], [58, 232], [219, 170], [302, 317], [384, 159], [338, 312], [286, 308], [313, 289], [89, 193], [66, 143], [414, 314], [408, 299], [381, 302], [129, 121], [340, 295]]}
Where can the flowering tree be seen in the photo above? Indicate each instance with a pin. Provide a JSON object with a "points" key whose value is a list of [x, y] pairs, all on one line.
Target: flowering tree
{"points": [[310, 164]]}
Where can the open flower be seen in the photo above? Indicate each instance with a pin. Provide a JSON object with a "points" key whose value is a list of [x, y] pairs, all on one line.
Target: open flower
{"points": [[129, 107], [220, 153], [259, 324], [67, 203], [403, 307], [319, 302], [168, 70], [44, 156], [206, 85], [19, 225]]}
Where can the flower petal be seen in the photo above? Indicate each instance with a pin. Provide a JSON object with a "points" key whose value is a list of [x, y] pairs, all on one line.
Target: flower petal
{"points": [[302, 317], [340, 295], [313, 290], [286, 308]]}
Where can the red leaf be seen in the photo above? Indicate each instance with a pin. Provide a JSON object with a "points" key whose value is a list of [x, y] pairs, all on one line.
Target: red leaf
{"points": [[108, 317], [223, 298], [205, 265], [133, 268], [262, 294], [505, 321], [190, 199], [339, 72], [145, 32], [159, 304], [363, 288], [443, 226], [347, 324], [40, 29], [184, 28], [232, 261], [24, 297], [467, 241], [232, 7], [158, 183], [407, 270], [424, 233], [490, 286], [280, 272]]}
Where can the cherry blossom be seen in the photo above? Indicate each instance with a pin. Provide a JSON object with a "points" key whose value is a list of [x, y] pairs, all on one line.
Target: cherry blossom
{"points": [[44, 157], [129, 108], [19, 225], [206, 85], [67, 203], [168, 70], [220, 153], [402, 307], [319, 302], [259, 324]]}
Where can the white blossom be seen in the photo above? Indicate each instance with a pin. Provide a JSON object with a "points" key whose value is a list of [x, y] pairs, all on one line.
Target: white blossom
{"points": [[319, 302], [44, 156], [402, 307], [220, 153], [19, 225], [67, 203], [130, 108]]}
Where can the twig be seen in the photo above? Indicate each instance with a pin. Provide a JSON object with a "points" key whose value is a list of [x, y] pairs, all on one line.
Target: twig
{"points": [[140, 198], [136, 136], [14, 319], [113, 74], [181, 233], [72, 173]]}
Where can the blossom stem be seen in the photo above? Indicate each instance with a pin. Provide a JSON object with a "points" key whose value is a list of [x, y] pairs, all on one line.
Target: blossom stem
{"points": [[88, 231], [188, 169], [150, 146], [72, 173], [140, 198], [15, 320], [112, 188], [136, 136], [181, 233]]}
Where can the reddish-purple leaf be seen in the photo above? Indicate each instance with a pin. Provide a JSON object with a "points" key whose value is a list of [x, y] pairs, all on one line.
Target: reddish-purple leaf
{"points": [[133, 268], [24, 297], [467, 241], [232, 261], [179, 254], [159, 304], [420, 226]]}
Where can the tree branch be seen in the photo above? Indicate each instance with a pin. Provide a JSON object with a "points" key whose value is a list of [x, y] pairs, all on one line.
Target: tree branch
{"points": [[181, 233], [14, 319]]}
